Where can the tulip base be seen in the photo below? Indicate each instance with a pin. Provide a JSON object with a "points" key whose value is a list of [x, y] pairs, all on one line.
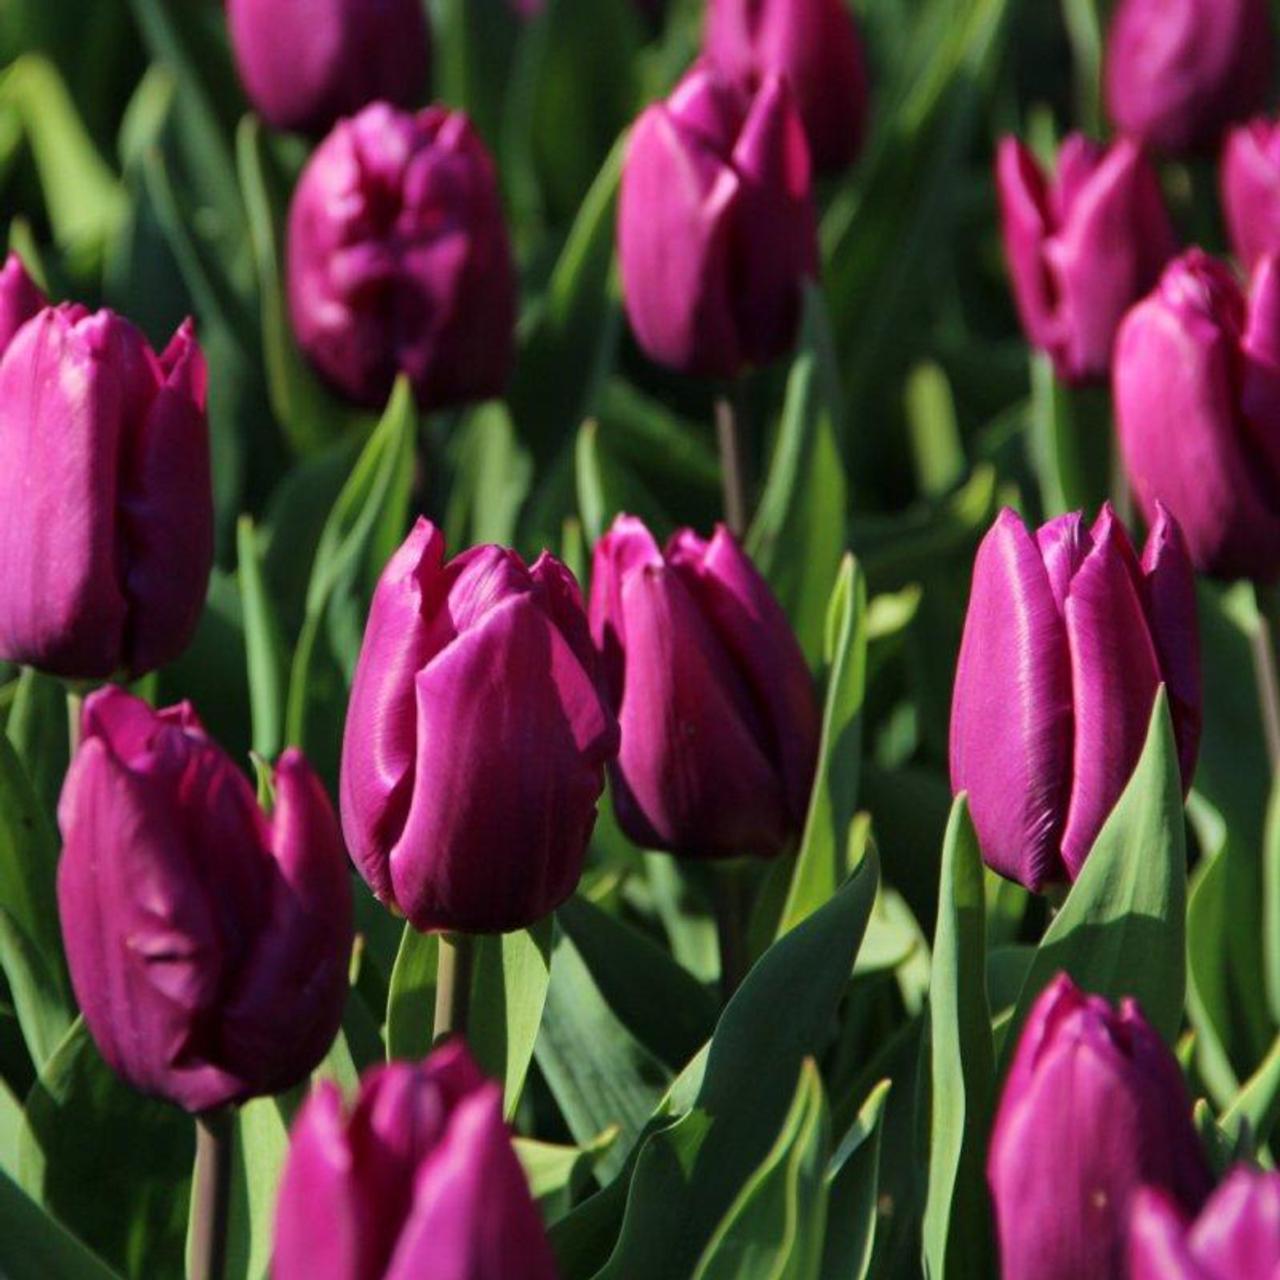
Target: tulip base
{"points": [[211, 1194], [453, 986]]}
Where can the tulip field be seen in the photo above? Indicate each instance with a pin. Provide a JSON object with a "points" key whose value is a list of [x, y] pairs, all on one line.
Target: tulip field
{"points": [[639, 639]]}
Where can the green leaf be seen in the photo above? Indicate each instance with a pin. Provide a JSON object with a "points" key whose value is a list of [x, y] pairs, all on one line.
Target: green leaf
{"points": [[956, 1237], [1122, 929], [509, 989], [822, 862], [411, 1001], [558, 1173], [1253, 1113], [492, 475], [264, 647], [34, 1246], [111, 1165], [37, 727], [777, 1224], [853, 1177], [797, 538]]}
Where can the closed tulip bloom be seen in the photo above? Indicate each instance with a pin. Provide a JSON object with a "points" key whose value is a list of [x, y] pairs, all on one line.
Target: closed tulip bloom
{"points": [[20, 299], [208, 943], [1081, 247], [719, 721], [1235, 1237], [1067, 639], [716, 229], [305, 63], [1250, 181], [1093, 1109], [417, 1179], [106, 504], [1178, 72], [399, 262], [476, 738], [814, 46], [1197, 403]]}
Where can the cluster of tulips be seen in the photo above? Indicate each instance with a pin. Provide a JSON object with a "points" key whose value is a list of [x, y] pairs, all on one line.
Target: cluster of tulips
{"points": [[209, 930]]}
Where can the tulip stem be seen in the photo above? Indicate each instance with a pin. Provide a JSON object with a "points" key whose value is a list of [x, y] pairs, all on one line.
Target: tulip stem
{"points": [[729, 430], [75, 707], [453, 986], [1266, 637], [730, 901], [212, 1192]]}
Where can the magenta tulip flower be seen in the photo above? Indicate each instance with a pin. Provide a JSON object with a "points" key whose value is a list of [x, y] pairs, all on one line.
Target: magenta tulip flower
{"points": [[1250, 181], [476, 738], [399, 262], [305, 63], [1067, 639], [814, 46], [1178, 72], [1082, 247], [20, 299], [1093, 1109], [1235, 1237], [208, 944], [719, 721], [106, 504], [716, 229], [417, 1180], [1197, 404]]}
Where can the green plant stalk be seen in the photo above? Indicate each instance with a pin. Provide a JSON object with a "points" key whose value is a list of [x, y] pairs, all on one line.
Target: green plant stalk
{"points": [[1266, 667], [212, 1192], [453, 986], [75, 710]]}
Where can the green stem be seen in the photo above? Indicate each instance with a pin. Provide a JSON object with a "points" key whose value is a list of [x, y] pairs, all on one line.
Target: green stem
{"points": [[730, 901], [1266, 668], [453, 986], [730, 430], [212, 1192], [75, 711]]}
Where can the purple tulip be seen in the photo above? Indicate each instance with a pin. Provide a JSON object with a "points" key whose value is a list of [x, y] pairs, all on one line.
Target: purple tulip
{"points": [[1081, 248], [719, 721], [716, 229], [1093, 1108], [1066, 641], [1197, 403], [1250, 181], [398, 259], [208, 944], [20, 299], [1236, 1236], [106, 505], [305, 63], [1178, 72], [476, 738], [417, 1180], [814, 45]]}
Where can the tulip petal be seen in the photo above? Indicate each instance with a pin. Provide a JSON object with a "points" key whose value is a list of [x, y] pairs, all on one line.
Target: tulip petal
{"points": [[624, 548], [1250, 191], [20, 299], [1025, 223], [1158, 1248], [1013, 673]]}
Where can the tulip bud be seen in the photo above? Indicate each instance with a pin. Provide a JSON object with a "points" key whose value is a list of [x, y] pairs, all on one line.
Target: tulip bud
{"points": [[20, 299], [305, 65], [1066, 642], [1250, 181], [1197, 403], [208, 944], [716, 230], [398, 259], [1093, 1108], [106, 505], [1178, 72], [476, 738], [418, 1179], [719, 721], [1081, 248], [814, 46], [1236, 1236]]}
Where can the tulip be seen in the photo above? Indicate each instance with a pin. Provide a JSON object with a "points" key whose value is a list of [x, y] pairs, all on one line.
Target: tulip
{"points": [[476, 738], [719, 721], [1093, 1108], [208, 944], [1178, 72], [1067, 639], [106, 505], [1251, 190], [304, 65], [1081, 248], [398, 259], [1236, 1236], [20, 299], [418, 1179], [814, 45], [1197, 404], [716, 229]]}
